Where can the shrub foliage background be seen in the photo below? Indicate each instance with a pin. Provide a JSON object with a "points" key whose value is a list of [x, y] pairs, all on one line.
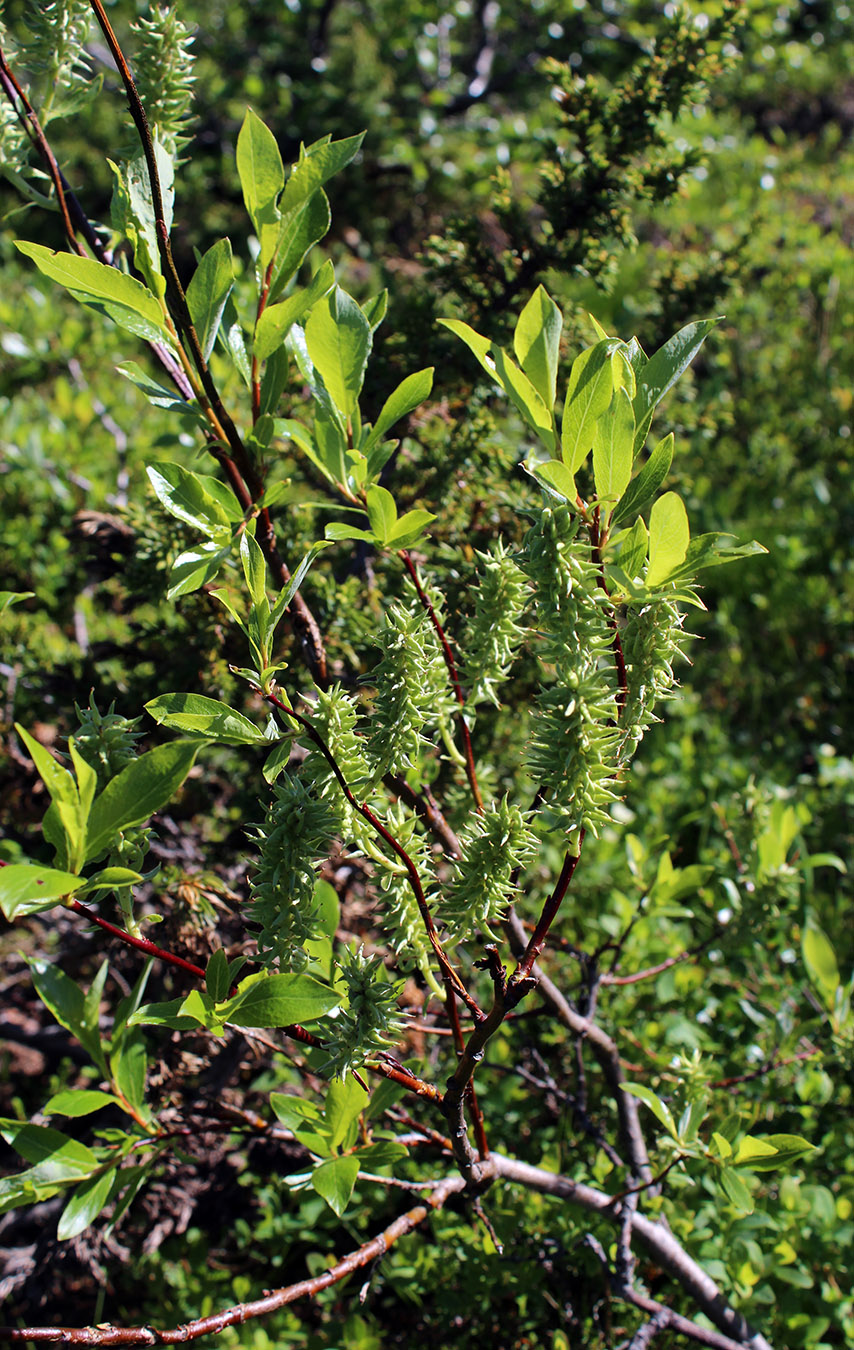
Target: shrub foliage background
{"points": [[699, 168]]}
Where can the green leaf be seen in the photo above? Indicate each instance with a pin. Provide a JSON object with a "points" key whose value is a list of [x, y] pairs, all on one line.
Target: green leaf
{"points": [[669, 534], [588, 393], [111, 879], [277, 760], [750, 1149], [375, 309], [633, 551], [345, 1101], [663, 370], [66, 1002], [337, 530], [659, 1109], [217, 979], [203, 716], [334, 1181], [122, 297], [644, 486], [316, 166], [819, 958], [26, 888], [64, 796], [163, 1015], [196, 567], [254, 570], [9, 598], [409, 528], [788, 1148], [276, 320], [326, 899], [210, 286], [294, 1111], [301, 229], [49, 1149], [536, 343], [132, 210], [338, 339], [735, 1190], [524, 395], [160, 395], [479, 346], [85, 1204], [554, 476], [74, 1102], [613, 441], [138, 791], [408, 394], [128, 1066], [285, 596], [278, 1001], [262, 177], [385, 1153], [382, 513], [188, 497]]}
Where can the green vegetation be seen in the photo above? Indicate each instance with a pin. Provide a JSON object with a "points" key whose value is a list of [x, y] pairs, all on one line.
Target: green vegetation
{"points": [[354, 546]]}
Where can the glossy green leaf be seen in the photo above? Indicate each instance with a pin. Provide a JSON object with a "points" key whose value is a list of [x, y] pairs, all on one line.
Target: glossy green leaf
{"points": [[9, 598], [128, 1066], [210, 286], [524, 395], [159, 395], [788, 1148], [375, 309], [479, 346], [279, 1001], [633, 551], [334, 1181], [203, 716], [26, 888], [49, 1149], [276, 320], [663, 370], [286, 595], [408, 395], [122, 297], [409, 528], [64, 796], [338, 339], [262, 177], [735, 1190], [74, 1102], [138, 791], [112, 878], [382, 513], [669, 534], [66, 1002], [659, 1109], [645, 484], [85, 1204], [554, 476], [316, 165], [536, 343], [163, 1015], [254, 569], [196, 567], [819, 957], [751, 1148], [217, 980], [588, 393], [302, 227], [345, 1101], [613, 442], [189, 498]]}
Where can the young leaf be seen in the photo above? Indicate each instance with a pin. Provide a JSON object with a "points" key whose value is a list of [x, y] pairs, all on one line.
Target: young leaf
{"points": [[285, 596], [188, 497], [345, 1101], [138, 791], [819, 958], [66, 1002], [254, 570], [123, 298], [334, 1181], [302, 227], [26, 888], [554, 476], [659, 1109], [735, 1190], [409, 528], [85, 1204], [788, 1148], [523, 393], [668, 537], [663, 370], [275, 322], [588, 393], [613, 441], [74, 1102], [375, 309], [217, 981], [338, 339], [408, 394], [196, 567], [316, 166], [536, 343], [278, 1001], [644, 486], [262, 177], [382, 513], [210, 286], [203, 716]]}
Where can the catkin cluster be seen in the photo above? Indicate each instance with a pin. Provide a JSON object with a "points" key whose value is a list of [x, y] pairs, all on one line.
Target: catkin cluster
{"points": [[572, 755], [367, 1022], [650, 638], [493, 633], [412, 692], [295, 834], [494, 846]]}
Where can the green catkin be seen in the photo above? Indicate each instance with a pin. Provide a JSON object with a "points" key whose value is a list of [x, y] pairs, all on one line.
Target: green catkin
{"points": [[53, 47], [163, 71], [412, 693], [404, 926], [295, 835], [573, 752], [368, 1022], [493, 634], [107, 741], [495, 844], [650, 638], [334, 716]]}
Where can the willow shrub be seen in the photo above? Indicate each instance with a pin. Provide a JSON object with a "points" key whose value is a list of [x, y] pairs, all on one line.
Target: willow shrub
{"points": [[572, 619]]}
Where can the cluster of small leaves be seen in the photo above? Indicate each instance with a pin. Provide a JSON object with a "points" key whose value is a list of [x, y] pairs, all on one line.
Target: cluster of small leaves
{"points": [[496, 844], [295, 834], [493, 633], [163, 72], [650, 639], [411, 688], [367, 1023]]}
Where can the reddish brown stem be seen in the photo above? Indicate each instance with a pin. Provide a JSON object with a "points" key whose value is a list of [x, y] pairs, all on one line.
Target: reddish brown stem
{"points": [[547, 918], [262, 305], [471, 771]]}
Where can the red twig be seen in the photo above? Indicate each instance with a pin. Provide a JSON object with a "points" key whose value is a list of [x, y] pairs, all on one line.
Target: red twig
{"points": [[547, 918]]}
